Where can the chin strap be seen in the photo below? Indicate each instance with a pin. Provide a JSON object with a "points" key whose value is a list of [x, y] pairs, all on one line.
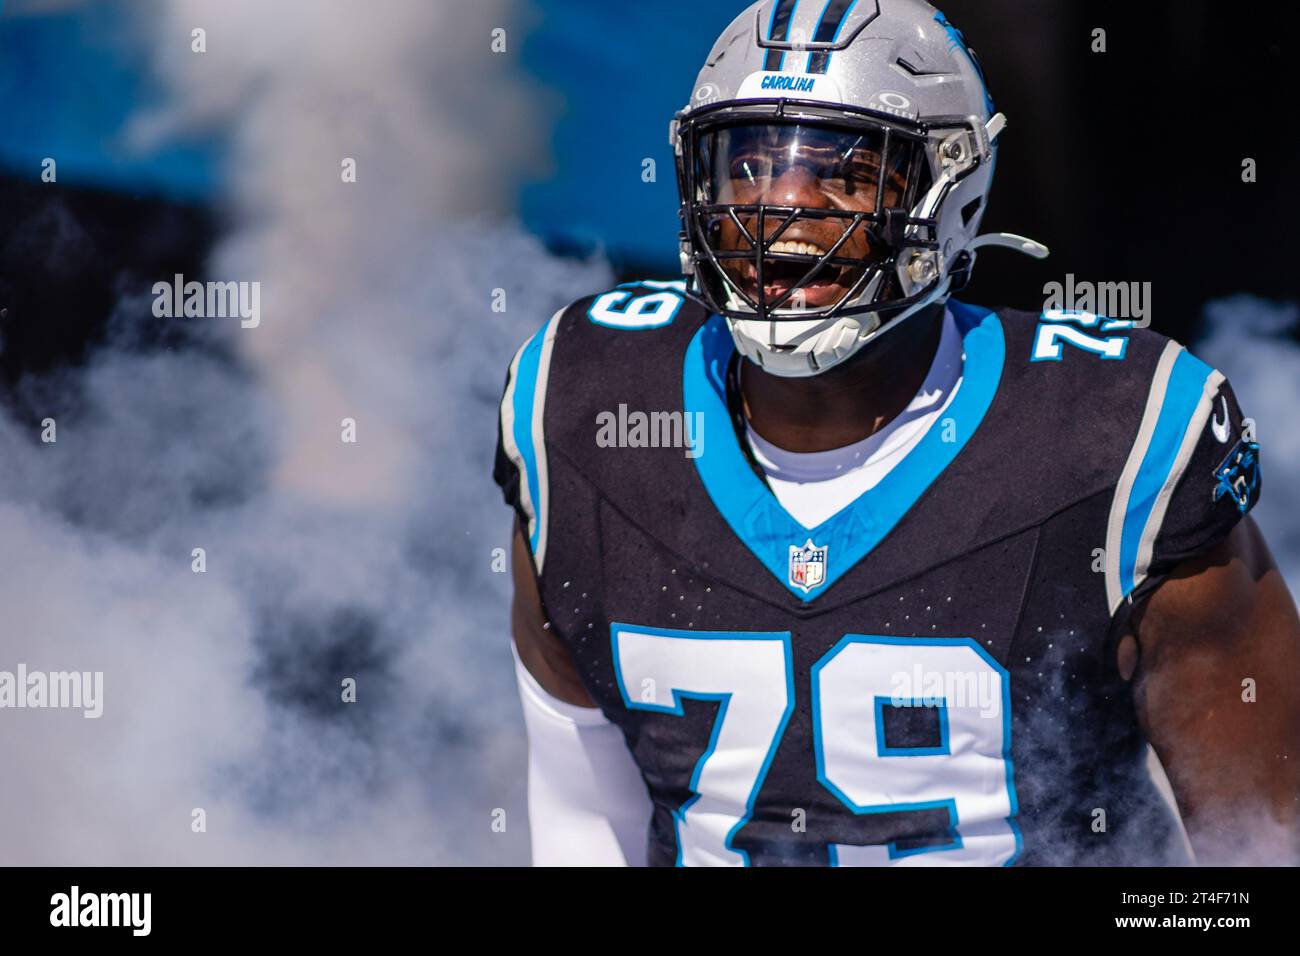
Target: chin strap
{"points": [[965, 262], [1009, 240]]}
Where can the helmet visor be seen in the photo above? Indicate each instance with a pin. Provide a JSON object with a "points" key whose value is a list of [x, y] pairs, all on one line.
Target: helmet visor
{"points": [[794, 215]]}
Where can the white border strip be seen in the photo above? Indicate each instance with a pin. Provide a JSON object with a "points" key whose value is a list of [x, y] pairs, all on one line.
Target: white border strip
{"points": [[535, 512], [508, 440]]}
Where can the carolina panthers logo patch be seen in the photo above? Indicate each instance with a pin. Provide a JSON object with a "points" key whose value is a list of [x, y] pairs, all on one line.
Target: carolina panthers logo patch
{"points": [[1237, 476]]}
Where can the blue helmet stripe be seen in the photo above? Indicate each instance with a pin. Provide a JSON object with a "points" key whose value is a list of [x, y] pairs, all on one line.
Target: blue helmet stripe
{"points": [[779, 29], [834, 16]]}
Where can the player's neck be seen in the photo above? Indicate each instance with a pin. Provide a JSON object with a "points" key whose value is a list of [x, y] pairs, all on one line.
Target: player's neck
{"points": [[849, 402]]}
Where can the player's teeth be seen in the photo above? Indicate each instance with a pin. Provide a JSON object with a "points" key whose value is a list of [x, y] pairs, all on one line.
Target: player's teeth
{"points": [[798, 248]]}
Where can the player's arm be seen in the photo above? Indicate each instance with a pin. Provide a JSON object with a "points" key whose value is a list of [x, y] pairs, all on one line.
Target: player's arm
{"points": [[1218, 693], [541, 652], [587, 801]]}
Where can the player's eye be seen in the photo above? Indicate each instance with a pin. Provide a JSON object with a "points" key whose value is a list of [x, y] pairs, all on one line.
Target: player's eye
{"points": [[749, 166], [863, 167]]}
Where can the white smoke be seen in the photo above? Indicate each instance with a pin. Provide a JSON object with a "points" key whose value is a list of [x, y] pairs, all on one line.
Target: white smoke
{"points": [[325, 560], [1250, 340]]}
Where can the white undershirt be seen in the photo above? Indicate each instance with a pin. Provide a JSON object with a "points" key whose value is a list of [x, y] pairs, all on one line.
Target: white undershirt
{"points": [[812, 486]]}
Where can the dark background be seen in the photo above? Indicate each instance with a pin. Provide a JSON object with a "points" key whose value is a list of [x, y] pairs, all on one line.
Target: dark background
{"points": [[1128, 163]]}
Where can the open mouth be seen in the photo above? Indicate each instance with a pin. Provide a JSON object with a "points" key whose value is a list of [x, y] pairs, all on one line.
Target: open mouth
{"points": [[782, 275]]}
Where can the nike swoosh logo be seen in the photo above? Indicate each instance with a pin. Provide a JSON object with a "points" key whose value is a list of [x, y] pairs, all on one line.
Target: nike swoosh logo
{"points": [[1221, 427]]}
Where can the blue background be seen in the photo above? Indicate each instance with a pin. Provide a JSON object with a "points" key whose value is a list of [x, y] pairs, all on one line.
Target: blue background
{"points": [[613, 106]]}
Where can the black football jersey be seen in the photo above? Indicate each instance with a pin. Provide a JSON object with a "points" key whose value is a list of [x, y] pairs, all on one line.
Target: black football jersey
{"points": [[928, 676]]}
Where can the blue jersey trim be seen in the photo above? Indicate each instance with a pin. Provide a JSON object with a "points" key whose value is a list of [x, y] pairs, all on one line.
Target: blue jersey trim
{"points": [[525, 404], [754, 513], [1182, 396]]}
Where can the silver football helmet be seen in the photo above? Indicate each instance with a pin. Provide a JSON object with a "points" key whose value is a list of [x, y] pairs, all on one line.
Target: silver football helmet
{"points": [[833, 163]]}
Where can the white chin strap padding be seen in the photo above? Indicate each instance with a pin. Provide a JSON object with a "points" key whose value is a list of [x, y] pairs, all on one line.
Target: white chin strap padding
{"points": [[813, 346], [996, 124], [797, 348]]}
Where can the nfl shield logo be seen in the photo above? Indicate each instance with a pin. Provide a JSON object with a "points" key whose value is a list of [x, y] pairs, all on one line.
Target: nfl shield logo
{"points": [[807, 565]]}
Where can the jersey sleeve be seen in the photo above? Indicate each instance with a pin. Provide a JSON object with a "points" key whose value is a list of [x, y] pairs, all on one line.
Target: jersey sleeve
{"points": [[1219, 486], [1193, 473], [520, 467]]}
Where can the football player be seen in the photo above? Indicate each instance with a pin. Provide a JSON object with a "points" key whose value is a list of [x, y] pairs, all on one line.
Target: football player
{"points": [[815, 564]]}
